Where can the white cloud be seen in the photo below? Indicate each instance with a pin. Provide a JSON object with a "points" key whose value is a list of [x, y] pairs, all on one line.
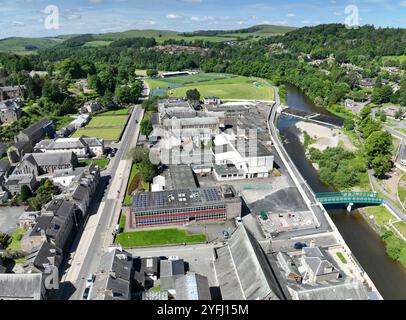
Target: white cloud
{"points": [[173, 16], [95, 1], [291, 15], [281, 22], [402, 3], [204, 18]]}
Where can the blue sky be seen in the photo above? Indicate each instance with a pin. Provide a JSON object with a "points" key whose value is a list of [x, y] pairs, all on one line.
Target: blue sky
{"points": [[26, 17]]}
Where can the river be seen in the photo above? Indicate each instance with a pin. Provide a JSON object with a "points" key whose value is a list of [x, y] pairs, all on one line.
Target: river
{"points": [[388, 276]]}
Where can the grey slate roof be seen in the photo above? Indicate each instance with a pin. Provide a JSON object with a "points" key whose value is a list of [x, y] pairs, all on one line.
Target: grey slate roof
{"points": [[15, 286], [36, 126], [53, 159], [4, 166], [192, 286], [243, 270], [170, 271], [331, 290], [38, 257]]}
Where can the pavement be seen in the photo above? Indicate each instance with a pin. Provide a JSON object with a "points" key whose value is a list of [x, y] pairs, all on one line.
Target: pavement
{"points": [[9, 218], [97, 233]]}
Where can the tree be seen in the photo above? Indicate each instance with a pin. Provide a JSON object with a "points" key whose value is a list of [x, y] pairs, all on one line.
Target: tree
{"points": [[381, 164], [348, 124], [138, 154], [378, 143], [25, 193], [193, 95], [146, 126], [152, 72], [147, 170]]}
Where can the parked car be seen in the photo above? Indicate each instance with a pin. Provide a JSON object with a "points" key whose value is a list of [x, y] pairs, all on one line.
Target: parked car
{"points": [[90, 280], [299, 245], [86, 294], [238, 221], [226, 235]]}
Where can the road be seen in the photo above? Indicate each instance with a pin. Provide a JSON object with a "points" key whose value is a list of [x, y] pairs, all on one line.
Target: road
{"points": [[98, 231]]}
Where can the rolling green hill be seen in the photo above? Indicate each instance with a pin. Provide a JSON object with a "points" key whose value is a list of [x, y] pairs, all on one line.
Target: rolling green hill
{"points": [[21, 45], [27, 45]]}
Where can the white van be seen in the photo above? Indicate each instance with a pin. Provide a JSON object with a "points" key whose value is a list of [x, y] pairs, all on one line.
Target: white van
{"points": [[403, 162]]}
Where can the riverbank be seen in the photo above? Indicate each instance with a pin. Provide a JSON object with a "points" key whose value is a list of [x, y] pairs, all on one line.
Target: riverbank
{"points": [[323, 136]]}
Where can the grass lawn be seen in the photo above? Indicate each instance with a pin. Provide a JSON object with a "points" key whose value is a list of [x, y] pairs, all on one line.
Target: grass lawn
{"points": [[16, 236], [110, 134], [381, 215], [341, 257], [401, 227], [107, 121], [121, 223], [402, 188], [128, 199], [398, 58], [119, 112], [97, 43], [232, 88], [102, 163], [158, 237]]}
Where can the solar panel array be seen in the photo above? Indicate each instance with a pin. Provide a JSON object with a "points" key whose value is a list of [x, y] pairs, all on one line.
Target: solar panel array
{"points": [[175, 198]]}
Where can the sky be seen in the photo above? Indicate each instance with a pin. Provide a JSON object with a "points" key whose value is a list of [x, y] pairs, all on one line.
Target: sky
{"points": [[33, 18]]}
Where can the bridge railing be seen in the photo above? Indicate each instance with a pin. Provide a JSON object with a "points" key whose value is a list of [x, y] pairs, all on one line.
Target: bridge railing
{"points": [[348, 197]]}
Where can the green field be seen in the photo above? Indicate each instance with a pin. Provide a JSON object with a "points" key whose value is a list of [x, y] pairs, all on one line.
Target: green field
{"points": [[381, 215], [225, 86], [157, 237], [128, 199], [107, 121], [97, 43], [398, 58], [110, 134], [27, 45], [242, 88], [119, 112]]}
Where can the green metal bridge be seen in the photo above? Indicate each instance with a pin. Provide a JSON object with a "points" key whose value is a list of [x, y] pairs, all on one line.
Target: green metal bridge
{"points": [[349, 198]]}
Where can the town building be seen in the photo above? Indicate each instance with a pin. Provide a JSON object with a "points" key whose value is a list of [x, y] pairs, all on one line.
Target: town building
{"points": [[114, 276], [27, 138], [312, 274], [42, 257], [170, 271], [192, 286], [184, 205], [82, 147], [90, 107], [12, 92], [22, 286], [243, 270], [238, 157], [14, 183], [177, 73], [212, 100], [10, 111]]}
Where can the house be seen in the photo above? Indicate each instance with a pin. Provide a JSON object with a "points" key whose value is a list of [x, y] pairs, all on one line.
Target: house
{"points": [[171, 270], [192, 286], [56, 225], [64, 221], [90, 107], [39, 258], [82, 147], [21, 286], [79, 121], [27, 138], [36, 132], [10, 111], [4, 167], [318, 268], [114, 276], [14, 183], [12, 92], [212, 100]]}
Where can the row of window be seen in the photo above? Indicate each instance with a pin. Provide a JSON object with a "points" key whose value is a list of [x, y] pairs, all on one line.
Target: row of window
{"points": [[163, 220], [179, 210]]}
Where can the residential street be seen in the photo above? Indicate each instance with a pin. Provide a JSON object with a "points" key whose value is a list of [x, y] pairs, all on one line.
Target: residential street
{"points": [[98, 232]]}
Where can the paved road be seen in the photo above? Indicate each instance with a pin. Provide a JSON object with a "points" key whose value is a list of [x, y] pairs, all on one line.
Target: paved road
{"points": [[97, 234]]}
